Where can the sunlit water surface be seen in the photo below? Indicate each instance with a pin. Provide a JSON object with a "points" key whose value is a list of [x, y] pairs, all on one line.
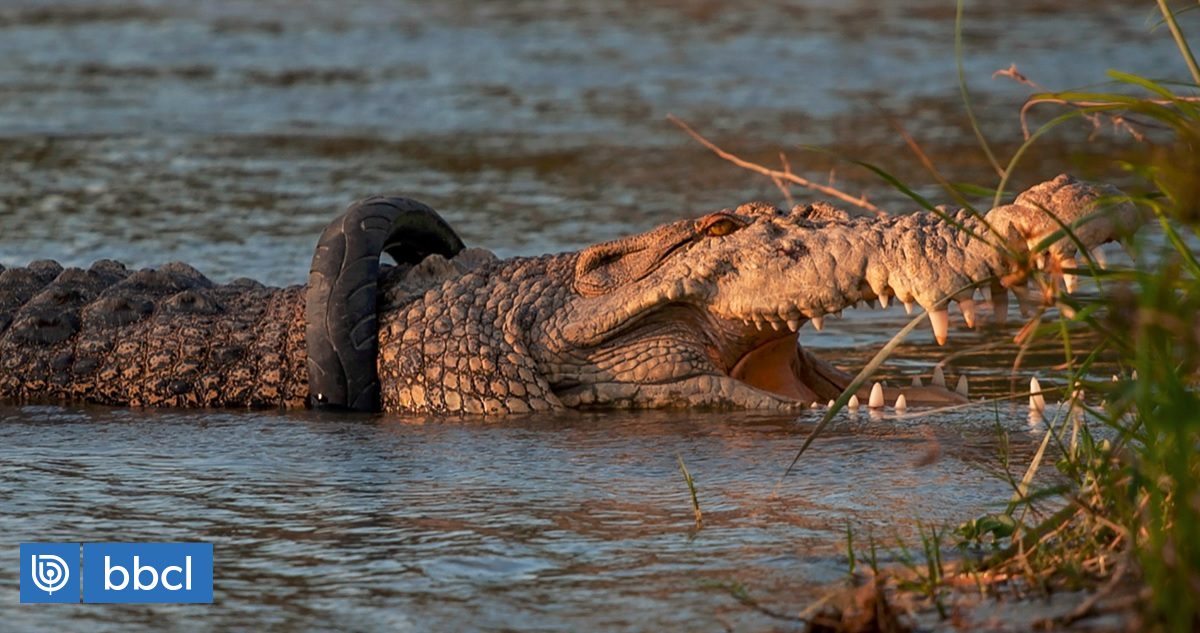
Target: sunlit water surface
{"points": [[573, 521], [227, 133]]}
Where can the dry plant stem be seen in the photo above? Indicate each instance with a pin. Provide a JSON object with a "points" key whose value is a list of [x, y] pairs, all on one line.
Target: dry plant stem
{"points": [[1031, 537], [1088, 606], [1096, 515], [1117, 120], [783, 188], [776, 175], [745, 599], [927, 163]]}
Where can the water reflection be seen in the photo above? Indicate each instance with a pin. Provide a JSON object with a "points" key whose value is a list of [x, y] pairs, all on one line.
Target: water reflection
{"points": [[226, 133], [560, 521]]}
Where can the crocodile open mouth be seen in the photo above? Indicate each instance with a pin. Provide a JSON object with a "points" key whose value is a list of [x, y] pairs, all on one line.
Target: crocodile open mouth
{"points": [[785, 368]]}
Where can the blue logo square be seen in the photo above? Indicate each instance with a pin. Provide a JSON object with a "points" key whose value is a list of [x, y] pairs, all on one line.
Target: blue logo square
{"points": [[50, 572], [148, 572]]}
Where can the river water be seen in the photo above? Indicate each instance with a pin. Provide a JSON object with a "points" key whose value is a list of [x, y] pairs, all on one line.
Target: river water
{"points": [[226, 134]]}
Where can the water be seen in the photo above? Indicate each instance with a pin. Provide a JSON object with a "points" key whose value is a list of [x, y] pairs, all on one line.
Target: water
{"points": [[227, 133], [575, 522]]}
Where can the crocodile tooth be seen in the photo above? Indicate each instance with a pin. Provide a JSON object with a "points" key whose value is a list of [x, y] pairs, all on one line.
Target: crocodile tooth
{"points": [[939, 377], [793, 324], [1133, 375], [876, 401], [818, 323], [967, 306], [916, 382], [816, 405], [962, 388], [675, 292], [758, 325], [1115, 379], [908, 307], [1099, 257], [830, 405], [1037, 401], [940, 320], [1070, 281], [901, 402], [853, 404], [884, 301], [1023, 302], [1000, 304]]}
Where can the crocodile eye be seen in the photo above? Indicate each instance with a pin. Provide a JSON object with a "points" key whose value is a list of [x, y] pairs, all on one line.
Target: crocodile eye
{"points": [[721, 227], [718, 224]]}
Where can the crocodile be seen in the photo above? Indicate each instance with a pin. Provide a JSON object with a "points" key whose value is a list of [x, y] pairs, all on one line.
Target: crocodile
{"points": [[700, 312]]}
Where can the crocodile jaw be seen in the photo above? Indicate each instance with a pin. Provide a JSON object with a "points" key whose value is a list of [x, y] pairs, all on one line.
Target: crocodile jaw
{"points": [[783, 367]]}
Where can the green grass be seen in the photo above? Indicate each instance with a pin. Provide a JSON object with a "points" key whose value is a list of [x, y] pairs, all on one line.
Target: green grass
{"points": [[691, 485], [1134, 500], [1123, 511]]}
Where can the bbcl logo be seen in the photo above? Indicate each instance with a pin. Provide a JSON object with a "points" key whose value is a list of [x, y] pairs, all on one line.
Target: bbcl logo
{"points": [[147, 572], [117, 572], [111, 570], [49, 572]]}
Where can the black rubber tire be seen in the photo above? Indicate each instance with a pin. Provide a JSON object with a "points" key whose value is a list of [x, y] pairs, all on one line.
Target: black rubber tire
{"points": [[342, 329]]}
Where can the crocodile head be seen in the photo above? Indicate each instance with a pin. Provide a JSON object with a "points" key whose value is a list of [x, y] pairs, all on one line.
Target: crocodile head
{"points": [[708, 311]]}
